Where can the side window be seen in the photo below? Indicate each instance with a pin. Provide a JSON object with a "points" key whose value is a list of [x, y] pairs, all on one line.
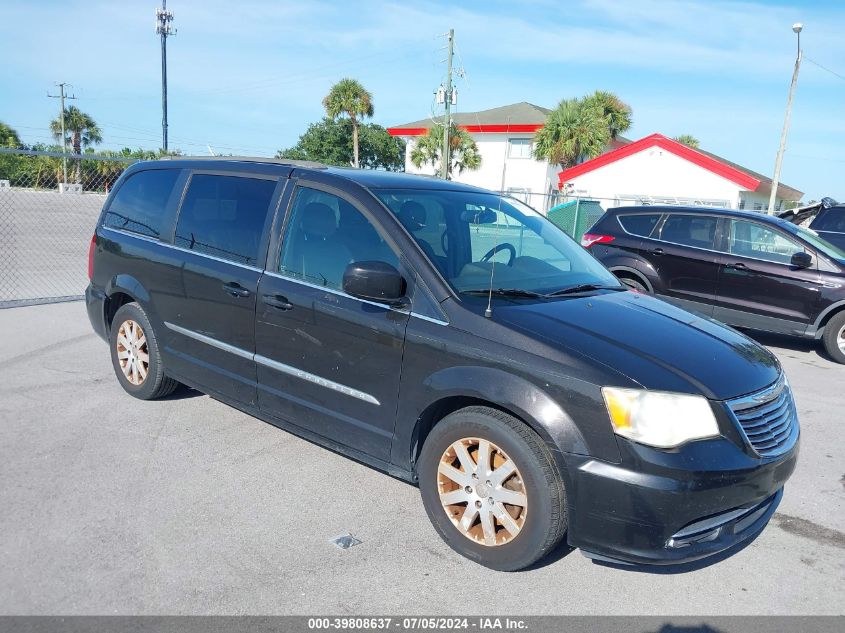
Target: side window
{"points": [[690, 230], [750, 239], [323, 235], [641, 224], [224, 216], [139, 204]]}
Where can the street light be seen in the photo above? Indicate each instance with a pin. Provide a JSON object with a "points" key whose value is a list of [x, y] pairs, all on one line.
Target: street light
{"points": [[796, 28]]}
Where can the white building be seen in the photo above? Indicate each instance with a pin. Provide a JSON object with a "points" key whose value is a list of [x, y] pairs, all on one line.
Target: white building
{"points": [[505, 139], [653, 170], [659, 170]]}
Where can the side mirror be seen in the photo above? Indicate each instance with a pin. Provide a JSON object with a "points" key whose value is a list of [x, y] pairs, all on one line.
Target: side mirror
{"points": [[374, 281], [802, 259]]}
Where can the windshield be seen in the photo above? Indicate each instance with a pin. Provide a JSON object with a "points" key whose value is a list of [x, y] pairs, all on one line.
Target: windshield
{"points": [[831, 250], [472, 237]]}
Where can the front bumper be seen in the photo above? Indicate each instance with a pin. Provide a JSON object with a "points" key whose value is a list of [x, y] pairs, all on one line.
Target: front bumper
{"points": [[667, 508]]}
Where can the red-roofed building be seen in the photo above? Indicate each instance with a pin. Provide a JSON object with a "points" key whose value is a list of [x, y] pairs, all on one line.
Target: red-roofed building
{"points": [[654, 169], [659, 170]]}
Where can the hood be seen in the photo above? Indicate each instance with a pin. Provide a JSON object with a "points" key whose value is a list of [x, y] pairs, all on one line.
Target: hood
{"points": [[649, 341]]}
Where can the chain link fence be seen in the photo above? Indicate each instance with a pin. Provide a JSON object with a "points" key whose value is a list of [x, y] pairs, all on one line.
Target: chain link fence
{"points": [[574, 214], [49, 205]]}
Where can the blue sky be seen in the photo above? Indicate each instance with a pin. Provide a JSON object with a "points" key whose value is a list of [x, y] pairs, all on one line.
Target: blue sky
{"points": [[248, 76]]}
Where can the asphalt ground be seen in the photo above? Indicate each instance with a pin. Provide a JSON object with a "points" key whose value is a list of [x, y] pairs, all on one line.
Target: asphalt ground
{"points": [[110, 505]]}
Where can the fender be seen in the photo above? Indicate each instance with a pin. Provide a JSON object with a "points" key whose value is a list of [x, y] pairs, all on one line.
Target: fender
{"points": [[501, 389], [632, 264], [816, 330], [129, 285], [636, 273]]}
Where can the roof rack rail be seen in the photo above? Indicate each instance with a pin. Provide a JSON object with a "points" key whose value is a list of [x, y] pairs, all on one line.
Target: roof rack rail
{"points": [[252, 159]]}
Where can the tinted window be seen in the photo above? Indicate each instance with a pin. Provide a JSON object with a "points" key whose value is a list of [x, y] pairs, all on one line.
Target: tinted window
{"points": [[224, 216], [830, 220], [750, 239], [690, 230], [639, 224], [325, 234], [138, 206]]}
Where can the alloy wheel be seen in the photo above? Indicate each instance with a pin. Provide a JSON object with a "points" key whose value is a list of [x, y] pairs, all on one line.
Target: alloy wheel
{"points": [[840, 339], [132, 352], [482, 491]]}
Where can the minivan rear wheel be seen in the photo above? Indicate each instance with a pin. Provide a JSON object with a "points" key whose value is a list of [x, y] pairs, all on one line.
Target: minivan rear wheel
{"points": [[491, 489], [135, 355], [834, 337]]}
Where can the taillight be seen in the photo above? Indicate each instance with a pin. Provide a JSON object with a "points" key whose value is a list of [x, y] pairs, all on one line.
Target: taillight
{"points": [[91, 247], [592, 238]]}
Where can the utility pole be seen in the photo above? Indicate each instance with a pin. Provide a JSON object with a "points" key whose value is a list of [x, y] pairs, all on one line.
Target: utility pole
{"points": [[779, 160], [163, 28], [447, 121], [63, 96]]}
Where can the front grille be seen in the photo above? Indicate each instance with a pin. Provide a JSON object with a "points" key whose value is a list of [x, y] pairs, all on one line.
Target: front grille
{"points": [[768, 419]]}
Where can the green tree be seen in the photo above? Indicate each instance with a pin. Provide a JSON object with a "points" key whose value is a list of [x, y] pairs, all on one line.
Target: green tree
{"points": [[616, 112], [349, 97], [9, 137], [330, 142], [576, 130], [687, 139], [463, 152], [81, 131]]}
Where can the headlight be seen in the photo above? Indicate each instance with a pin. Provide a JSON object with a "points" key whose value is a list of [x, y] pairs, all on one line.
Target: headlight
{"points": [[658, 418]]}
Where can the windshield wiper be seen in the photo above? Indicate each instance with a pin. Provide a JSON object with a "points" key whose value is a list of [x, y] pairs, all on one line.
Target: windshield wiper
{"points": [[583, 288], [504, 292]]}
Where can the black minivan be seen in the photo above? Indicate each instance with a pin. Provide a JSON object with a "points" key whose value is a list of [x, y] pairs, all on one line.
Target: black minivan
{"points": [[454, 338], [746, 269]]}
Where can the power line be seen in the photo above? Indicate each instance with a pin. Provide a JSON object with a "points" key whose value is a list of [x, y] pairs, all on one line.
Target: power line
{"points": [[835, 74]]}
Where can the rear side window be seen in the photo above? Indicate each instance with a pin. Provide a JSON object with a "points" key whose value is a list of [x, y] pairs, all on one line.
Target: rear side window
{"points": [[690, 230], [830, 220], [224, 216], [641, 224], [139, 204]]}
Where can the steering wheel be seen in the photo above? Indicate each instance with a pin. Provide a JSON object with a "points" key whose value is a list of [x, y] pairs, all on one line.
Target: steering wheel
{"points": [[501, 247]]}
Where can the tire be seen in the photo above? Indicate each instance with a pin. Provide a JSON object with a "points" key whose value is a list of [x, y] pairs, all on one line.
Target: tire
{"points": [[528, 531], [634, 284], [834, 337], [135, 355]]}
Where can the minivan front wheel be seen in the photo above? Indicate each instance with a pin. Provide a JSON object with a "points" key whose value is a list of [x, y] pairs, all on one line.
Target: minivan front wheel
{"points": [[491, 489], [135, 355], [834, 337]]}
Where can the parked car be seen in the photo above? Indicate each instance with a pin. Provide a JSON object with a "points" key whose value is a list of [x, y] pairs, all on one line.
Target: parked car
{"points": [[748, 270], [830, 225], [453, 338]]}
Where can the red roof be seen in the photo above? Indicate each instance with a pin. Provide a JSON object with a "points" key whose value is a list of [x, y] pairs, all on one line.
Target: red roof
{"points": [[709, 162]]}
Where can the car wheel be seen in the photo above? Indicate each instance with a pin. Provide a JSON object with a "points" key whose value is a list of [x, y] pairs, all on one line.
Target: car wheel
{"points": [[491, 489], [135, 355], [834, 337], [634, 284]]}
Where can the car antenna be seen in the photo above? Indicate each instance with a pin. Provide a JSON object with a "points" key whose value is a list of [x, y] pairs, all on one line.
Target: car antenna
{"points": [[489, 311]]}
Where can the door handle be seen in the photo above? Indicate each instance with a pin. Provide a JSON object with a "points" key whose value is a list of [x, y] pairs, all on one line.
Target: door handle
{"points": [[736, 266], [657, 251], [277, 301], [236, 290]]}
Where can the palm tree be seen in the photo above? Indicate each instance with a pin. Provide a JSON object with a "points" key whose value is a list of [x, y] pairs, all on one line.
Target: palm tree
{"points": [[463, 152], [9, 137], [80, 131], [687, 139], [576, 130], [349, 97], [616, 112]]}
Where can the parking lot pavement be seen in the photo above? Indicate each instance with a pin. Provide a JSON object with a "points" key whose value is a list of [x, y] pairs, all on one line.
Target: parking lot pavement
{"points": [[186, 506]]}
